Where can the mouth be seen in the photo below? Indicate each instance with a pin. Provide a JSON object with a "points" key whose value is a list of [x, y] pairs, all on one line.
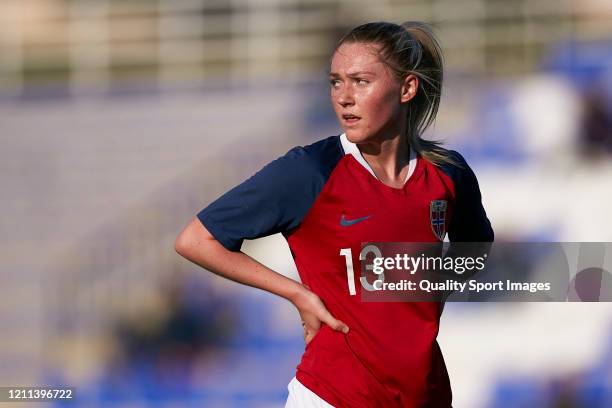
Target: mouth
{"points": [[350, 119]]}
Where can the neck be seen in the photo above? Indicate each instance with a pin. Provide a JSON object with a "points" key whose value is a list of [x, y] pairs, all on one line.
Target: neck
{"points": [[388, 158]]}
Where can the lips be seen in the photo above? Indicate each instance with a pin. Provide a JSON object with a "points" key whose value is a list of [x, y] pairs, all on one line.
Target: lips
{"points": [[350, 119]]}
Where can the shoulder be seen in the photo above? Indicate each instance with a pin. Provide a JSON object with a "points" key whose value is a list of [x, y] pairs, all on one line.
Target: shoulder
{"points": [[457, 167], [317, 158], [319, 152]]}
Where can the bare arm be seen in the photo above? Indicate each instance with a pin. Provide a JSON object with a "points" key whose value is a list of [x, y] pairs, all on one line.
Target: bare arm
{"points": [[196, 244]]}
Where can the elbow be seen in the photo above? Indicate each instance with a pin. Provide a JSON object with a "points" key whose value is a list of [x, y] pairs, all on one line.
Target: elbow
{"points": [[181, 245], [186, 243], [189, 248], [193, 241]]}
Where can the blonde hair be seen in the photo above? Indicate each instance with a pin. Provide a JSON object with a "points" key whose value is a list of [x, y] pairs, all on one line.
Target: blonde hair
{"points": [[411, 48]]}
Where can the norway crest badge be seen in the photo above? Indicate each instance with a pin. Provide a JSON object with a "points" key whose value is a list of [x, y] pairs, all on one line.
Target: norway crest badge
{"points": [[437, 215]]}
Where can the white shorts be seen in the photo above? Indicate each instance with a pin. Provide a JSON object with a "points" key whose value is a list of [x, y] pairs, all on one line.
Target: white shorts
{"points": [[302, 397]]}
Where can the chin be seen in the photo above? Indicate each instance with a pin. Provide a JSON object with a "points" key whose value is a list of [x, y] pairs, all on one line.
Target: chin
{"points": [[358, 136], [355, 136]]}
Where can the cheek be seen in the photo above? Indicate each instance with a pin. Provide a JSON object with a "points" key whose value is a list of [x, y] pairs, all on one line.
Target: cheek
{"points": [[382, 106]]}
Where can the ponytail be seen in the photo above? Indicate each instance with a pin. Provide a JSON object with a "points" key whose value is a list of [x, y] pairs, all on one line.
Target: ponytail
{"points": [[411, 48]]}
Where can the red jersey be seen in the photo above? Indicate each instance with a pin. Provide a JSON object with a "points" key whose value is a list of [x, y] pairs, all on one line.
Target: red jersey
{"points": [[327, 201]]}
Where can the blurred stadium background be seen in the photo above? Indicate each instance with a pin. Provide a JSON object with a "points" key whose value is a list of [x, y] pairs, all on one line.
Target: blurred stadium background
{"points": [[120, 119]]}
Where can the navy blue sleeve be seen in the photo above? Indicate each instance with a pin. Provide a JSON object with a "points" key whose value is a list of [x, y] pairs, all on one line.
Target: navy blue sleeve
{"points": [[469, 222], [275, 199]]}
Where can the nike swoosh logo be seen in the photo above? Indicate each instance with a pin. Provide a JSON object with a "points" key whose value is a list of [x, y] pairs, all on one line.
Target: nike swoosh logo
{"points": [[347, 223]]}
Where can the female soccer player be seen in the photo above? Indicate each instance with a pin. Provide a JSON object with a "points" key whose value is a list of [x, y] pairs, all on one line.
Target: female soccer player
{"points": [[379, 181]]}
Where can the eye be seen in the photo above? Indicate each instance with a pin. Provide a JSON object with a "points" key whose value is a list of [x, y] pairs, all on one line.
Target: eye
{"points": [[361, 81], [334, 83]]}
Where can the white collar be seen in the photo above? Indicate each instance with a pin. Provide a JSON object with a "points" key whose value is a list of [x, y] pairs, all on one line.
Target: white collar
{"points": [[352, 148]]}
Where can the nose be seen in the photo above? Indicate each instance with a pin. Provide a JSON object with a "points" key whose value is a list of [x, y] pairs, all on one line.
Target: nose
{"points": [[345, 96]]}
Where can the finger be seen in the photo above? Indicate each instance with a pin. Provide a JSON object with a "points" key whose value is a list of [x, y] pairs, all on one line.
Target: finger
{"points": [[308, 337], [335, 323], [312, 322]]}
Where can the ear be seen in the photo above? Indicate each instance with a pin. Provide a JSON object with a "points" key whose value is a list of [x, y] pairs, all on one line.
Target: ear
{"points": [[410, 85]]}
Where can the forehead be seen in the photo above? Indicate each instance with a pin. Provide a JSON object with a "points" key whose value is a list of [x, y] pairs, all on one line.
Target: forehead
{"points": [[356, 57]]}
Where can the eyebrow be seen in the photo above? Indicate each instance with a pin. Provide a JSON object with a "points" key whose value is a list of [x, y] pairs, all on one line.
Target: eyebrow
{"points": [[352, 74]]}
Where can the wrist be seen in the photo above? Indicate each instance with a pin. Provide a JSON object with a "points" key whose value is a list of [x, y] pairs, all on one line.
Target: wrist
{"points": [[298, 294]]}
